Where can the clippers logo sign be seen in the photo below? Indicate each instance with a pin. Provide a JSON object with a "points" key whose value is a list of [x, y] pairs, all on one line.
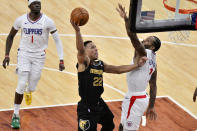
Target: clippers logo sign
{"points": [[29, 31], [84, 124], [129, 124]]}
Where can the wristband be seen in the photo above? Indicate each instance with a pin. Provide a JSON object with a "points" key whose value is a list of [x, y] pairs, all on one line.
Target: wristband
{"points": [[6, 56], [61, 62]]}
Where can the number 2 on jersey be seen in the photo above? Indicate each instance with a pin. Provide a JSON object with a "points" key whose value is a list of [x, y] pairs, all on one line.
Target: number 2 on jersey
{"points": [[151, 71], [98, 81]]}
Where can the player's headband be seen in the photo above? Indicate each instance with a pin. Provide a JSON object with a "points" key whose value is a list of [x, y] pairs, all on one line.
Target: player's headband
{"points": [[31, 1]]}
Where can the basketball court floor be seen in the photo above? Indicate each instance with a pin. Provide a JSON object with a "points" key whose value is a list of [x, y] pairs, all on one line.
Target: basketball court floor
{"points": [[54, 102]]}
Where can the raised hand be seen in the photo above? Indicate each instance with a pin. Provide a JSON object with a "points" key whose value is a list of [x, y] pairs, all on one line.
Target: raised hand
{"points": [[76, 27], [123, 14], [121, 11]]}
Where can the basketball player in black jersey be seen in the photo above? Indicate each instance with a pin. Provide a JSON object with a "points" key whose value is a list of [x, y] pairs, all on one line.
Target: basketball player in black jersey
{"points": [[91, 108]]}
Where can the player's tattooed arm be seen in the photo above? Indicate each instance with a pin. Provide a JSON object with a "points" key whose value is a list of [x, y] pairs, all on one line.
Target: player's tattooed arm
{"points": [[133, 36]]}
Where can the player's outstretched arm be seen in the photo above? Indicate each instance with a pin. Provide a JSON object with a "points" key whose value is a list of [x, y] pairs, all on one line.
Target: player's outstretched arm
{"points": [[9, 42], [133, 36], [151, 113], [124, 68], [195, 94], [59, 47], [81, 54]]}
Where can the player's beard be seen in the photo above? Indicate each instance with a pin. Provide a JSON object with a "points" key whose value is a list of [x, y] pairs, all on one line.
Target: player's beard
{"points": [[147, 46], [36, 12]]}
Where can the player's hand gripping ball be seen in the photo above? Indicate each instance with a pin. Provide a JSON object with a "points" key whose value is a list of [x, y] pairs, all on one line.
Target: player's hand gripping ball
{"points": [[79, 16]]}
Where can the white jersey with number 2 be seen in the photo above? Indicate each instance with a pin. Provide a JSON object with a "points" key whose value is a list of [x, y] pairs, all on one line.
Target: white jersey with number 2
{"points": [[138, 79]]}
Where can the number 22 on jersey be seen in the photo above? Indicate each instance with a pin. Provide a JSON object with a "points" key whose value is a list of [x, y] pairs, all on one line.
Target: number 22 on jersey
{"points": [[98, 81]]}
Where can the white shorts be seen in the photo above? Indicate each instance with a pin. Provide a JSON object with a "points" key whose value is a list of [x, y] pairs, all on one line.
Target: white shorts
{"points": [[133, 108], [32, 62]]}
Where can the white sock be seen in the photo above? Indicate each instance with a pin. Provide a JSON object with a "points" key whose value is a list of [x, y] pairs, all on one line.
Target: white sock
{"points": [[27, 89], [16, 109]]}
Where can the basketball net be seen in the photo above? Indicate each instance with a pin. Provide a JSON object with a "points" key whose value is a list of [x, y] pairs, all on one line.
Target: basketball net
{"points": [[177, 36]]}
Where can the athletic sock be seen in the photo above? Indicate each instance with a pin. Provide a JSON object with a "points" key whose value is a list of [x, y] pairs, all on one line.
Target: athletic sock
{"points": [[27, 89], [16, 108]]}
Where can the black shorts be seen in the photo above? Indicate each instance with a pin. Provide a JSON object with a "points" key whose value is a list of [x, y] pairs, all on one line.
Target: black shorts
{"points": [[91, 115]]}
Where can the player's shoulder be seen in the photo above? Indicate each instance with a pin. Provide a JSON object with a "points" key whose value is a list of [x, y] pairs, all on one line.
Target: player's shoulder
{"points": [[20, 19], [47, 18], [22, 16]]}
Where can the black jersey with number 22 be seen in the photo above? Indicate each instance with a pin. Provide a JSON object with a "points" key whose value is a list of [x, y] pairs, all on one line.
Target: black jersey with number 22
{"points": [[90, 82]]}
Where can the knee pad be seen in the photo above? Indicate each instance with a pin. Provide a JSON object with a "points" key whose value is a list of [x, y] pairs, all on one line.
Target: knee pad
{"points": [[33, 81], [22, 80]]}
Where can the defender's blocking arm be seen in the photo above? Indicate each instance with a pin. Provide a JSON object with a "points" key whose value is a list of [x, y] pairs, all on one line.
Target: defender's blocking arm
{"points": [[133, 36], [124, 68]]}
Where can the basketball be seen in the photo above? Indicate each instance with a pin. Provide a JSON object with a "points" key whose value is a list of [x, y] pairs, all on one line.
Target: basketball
{"points": [[79, 16]]}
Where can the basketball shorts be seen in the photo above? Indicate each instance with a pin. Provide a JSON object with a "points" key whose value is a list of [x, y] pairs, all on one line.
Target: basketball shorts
{"points": [[31, 62], [90, 116], [133, 108]]}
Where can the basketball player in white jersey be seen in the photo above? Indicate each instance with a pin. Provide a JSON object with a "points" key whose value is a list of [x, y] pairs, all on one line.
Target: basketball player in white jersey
{"points": [[35, 28], [136, 101]]}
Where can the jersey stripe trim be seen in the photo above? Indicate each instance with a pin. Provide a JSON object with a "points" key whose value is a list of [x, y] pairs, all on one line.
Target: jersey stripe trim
{"points": [[132, 100]]}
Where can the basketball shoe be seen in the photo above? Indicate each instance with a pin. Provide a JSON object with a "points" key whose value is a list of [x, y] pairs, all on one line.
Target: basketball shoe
{"points": [[15, 121], [28, 97]]}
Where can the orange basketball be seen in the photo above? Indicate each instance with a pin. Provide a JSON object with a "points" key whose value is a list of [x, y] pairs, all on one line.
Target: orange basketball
{"points": [[79, 16]]}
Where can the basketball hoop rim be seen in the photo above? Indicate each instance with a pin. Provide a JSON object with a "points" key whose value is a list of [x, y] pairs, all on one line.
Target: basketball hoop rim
{"points": [[181, 11]]}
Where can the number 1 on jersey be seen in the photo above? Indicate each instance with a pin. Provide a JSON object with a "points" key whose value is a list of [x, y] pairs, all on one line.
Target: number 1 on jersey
{"points": [[32, 39]]}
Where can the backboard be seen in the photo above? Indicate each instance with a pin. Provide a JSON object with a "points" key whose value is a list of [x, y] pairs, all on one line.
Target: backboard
{"points": [[145, 19]]}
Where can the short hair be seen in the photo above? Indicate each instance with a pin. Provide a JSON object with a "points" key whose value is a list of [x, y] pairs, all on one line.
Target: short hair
{"points": [[156, 43], [86, 42]]}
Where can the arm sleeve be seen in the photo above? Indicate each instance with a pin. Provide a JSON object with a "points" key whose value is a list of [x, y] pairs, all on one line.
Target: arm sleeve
{"points": [[59, 46], [17, 23]]}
